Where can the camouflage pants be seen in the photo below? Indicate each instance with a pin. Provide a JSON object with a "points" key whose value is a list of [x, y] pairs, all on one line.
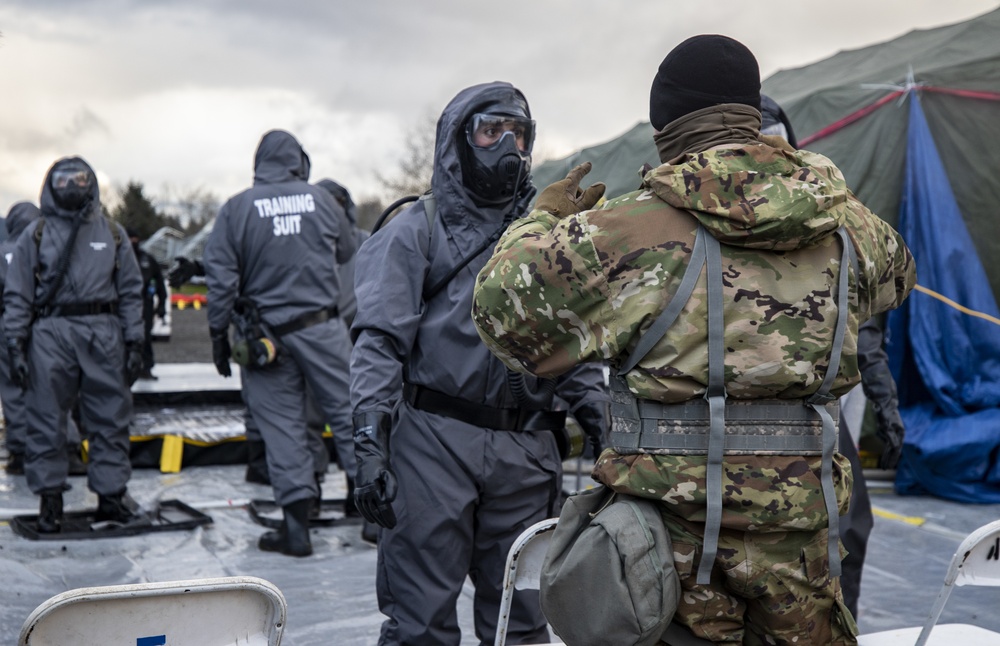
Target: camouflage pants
{"points": [[769, 588]]}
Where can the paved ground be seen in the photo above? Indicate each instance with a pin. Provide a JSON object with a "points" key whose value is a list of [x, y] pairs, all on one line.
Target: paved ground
{"points": [[189, 341]]}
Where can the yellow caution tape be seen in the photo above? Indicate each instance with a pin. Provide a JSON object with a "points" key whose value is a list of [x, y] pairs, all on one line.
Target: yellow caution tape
{"points": [[960, 308], [910, 520]]}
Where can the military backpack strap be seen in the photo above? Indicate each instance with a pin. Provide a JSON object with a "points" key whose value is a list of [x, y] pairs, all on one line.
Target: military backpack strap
{"points": [[819, 400], [716, 396]]}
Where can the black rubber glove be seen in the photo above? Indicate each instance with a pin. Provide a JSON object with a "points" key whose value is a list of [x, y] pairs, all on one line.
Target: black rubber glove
{"points": [[221, 351], [183, 272], [595, 420], [18, 362], [133, 361], [374, 484], [889, 429]]}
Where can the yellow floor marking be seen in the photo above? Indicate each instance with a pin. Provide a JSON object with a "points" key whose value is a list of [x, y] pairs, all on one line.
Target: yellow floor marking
{"points": [[912, 520]]}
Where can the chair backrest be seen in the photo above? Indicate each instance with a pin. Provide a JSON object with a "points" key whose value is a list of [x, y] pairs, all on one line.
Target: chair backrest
{"points": [[976, 562], [209, 612], [524, 566], [977, 559]]}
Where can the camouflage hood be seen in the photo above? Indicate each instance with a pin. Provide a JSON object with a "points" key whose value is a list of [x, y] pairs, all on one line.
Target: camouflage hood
{"points": [[747, 190]]}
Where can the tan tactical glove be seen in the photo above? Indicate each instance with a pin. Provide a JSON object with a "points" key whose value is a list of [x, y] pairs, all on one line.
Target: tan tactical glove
{"points": [[565, 197]]}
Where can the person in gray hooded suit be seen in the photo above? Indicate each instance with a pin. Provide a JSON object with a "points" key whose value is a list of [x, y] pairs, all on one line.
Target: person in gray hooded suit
{"points": [[456, 456], [12, 396], [273, 255], [15, 423], [73, 322]]}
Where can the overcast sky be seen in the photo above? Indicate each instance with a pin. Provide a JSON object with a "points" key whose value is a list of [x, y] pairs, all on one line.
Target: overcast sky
{"points": [[176, 93]]}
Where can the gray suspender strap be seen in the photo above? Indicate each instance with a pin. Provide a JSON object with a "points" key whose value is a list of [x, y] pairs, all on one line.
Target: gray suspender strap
{"points": [[716, 396], [666, 318], [848, 257]]}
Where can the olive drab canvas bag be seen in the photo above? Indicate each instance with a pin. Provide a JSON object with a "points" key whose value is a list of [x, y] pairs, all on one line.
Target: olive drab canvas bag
{"points": [[609, 571]]}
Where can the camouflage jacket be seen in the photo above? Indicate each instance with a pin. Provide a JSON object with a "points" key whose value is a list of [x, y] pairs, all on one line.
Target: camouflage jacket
{"points": [[558, 292]]}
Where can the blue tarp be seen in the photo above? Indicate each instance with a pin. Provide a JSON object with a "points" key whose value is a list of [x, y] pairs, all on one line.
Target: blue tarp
{"points": [[946, 362]]}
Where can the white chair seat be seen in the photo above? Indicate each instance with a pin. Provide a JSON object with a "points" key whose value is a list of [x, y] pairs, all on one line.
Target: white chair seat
{"points": [[941, 635]]}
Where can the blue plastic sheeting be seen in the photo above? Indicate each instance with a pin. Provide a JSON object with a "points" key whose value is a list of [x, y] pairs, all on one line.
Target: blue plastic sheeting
{"points": [[946, 362]]}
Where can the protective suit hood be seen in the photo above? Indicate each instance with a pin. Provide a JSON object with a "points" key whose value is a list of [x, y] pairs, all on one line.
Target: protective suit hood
{"points": [[49, 207], [343, 198], [280, 158], [469, 223], [20, 216]]}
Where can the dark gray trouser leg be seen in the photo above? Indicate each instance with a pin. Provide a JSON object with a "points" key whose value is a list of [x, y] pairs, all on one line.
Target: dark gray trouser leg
{"points": [[275, 396], [855, 526], [13, 398], [323, 351], [252, 432], [78, 358], [465, 494]]}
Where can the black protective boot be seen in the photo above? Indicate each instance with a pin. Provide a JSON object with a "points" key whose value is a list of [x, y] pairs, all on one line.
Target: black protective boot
{"points": [[316, 510], [15, 464], [292, 538], [119, 508], [257, 463], [77, 467], [50, 513], [350, 509]]}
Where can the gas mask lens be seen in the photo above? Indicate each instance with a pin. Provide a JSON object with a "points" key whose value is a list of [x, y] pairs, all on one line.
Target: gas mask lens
{"points": [[486, 130], [64, 178]]}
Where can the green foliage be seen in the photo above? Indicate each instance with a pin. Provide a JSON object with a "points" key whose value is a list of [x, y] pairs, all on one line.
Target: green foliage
{"points": [[136, 212]]}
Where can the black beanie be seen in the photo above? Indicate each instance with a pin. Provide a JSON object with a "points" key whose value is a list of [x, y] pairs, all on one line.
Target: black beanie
{"points": [[701, 72]]}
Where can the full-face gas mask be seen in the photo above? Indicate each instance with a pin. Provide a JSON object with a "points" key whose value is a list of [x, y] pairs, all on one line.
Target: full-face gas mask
{"points": [[71, 183], [497, 157]]}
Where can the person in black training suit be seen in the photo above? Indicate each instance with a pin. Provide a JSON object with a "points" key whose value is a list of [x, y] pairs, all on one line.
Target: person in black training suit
{"points": [[154, 301]]}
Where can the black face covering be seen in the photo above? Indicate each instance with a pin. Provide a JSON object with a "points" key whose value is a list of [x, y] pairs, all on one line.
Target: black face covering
{"points": [[496, 173], [71, 184]]}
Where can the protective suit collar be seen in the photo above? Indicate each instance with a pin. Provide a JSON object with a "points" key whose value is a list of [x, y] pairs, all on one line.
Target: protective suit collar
{"points": [[280, 158]]}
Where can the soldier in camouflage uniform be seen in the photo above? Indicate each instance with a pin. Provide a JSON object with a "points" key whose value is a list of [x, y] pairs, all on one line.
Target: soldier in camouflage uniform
{"points": [[568, 285]]}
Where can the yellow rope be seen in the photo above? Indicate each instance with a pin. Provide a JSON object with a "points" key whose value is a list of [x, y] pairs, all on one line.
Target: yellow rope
{"points": [[948, 301]]}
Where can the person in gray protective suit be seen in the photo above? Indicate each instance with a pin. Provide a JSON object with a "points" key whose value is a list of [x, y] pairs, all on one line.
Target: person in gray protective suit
{"points": [[73, 322], [12, 395], [456, 456], [273, 256]]}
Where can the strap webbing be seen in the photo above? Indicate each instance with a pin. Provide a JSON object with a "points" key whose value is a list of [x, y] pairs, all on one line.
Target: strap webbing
{"points": [[716, 396], [673, 309], [848, 258]]}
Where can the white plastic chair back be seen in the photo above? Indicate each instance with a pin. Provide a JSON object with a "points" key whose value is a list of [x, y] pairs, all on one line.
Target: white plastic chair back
{"points": [[244, 611], [976, 562], [524, 567]]}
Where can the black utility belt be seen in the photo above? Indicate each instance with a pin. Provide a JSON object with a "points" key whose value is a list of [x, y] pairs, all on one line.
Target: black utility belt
{"points": [[501, 419], [78, 309], [308, 319]]}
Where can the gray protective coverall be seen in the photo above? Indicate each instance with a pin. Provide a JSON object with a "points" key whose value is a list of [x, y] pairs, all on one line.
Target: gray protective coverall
{"points": [[278, 244], [76, 356], [15, 424], [464, 492]]}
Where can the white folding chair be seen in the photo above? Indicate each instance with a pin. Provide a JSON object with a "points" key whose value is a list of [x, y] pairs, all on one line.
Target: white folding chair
{"points": [[976, 562], [524, 567], [209, 612]]}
